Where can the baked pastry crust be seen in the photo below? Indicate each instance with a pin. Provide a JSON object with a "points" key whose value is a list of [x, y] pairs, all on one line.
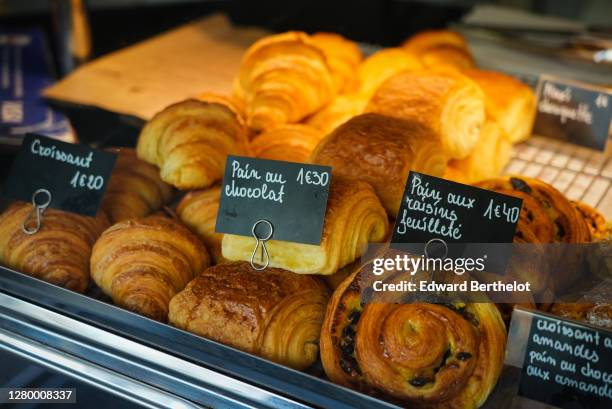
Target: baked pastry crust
{"points": [[272, 313], [343, 57], [340, 110], [292, 143], [382, 65]]}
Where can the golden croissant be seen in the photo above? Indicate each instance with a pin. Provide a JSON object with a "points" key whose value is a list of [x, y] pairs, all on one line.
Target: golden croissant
{"points": [[282, 79], [450, 103], [343, 57], [272, 313], [143, 263], [134, 189], [58, 253], [382, 150], [340, 110], [422, 355], [190, 140], [292, 143], [437, 48], [354, 218], [382, 65], [508, 101], [198, 210]]}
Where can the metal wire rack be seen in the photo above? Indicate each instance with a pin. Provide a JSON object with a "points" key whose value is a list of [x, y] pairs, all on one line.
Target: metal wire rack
{"points": [[580, 173]]}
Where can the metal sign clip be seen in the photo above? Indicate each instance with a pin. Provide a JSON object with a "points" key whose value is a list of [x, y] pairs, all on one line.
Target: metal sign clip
{"points": [[40, 201], [265, 257]]}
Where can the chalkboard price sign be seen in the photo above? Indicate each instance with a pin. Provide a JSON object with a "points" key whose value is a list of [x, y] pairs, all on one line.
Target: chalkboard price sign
{"points": [[75, 175], [577, 113], [567, 364], [291, 196]]}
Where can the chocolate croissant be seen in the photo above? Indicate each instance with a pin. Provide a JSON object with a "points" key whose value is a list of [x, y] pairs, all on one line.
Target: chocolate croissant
{"points": [[343, 57], [198, 210], [134, 189], [422, 355], [292, 143], [382, 65], [354, 218], [450, 103], [436, 48], [340, 110], [190, 140], [272, 313], [382, 150], [282, 79], [508, 101], [143, 263], [58, 253]]}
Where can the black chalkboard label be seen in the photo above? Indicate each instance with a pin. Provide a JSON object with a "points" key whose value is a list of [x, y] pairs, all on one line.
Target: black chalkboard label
{"points": [[577, 113], [567, 364], [75, 175], [434, 208], [291, 196]]}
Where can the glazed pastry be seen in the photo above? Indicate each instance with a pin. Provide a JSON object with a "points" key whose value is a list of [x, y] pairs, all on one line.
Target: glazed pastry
{"points": [[381, 150], [594, 220], [58, 253], [422, 355], [190, 140], [382, 65], [343, 57], [509, 101], [134, 189], [448, 102], [436, 48], [198, 210], [143, 263], [292, 143], [272, 313], [354, 218], [487, 160], [342, 108], [282, 79]]}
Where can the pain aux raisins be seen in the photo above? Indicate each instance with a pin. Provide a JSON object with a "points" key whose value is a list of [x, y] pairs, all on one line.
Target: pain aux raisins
{"points": [[520, 185]]}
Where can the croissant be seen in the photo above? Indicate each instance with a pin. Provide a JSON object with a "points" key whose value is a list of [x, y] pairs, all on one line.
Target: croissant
{"points": [[437, 48], [382, 65], [292, 143], [198, 210], [341, 109], [343, 57], [381, 150], [507, 100], [143, 263], [282, 79], [354, 218], [487, 160], [273, 313], [134, 189], [424, 355], [58, 253], [595, 221], [450, 103], [190, 140], [599, 314]]}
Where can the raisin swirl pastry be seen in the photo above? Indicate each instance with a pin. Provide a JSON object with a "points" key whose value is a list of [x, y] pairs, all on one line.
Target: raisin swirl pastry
{"points": [[58, 253], [423, 355], [272, 313], [595, 221]]}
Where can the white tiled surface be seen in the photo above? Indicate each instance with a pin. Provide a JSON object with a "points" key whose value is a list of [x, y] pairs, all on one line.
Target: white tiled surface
{"points": [[580, 173]]}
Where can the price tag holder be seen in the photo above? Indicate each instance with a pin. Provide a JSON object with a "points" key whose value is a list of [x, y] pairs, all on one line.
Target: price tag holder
{"points": [[291, 196], [75, 175], [574, 112], [563, 363]]}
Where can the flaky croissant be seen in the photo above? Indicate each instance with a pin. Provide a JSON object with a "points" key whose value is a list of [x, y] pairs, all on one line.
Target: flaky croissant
{"points": [[511, 103], [58, 253], [198, 210], [292, 143], [272, 313], [340, 110], [381, 150], [423, 355], [282, 79], [382, 65], [343, 57], [134, 189], [354, 218], [190, 140], [143, 263], [436, 48], [450, 103]]}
